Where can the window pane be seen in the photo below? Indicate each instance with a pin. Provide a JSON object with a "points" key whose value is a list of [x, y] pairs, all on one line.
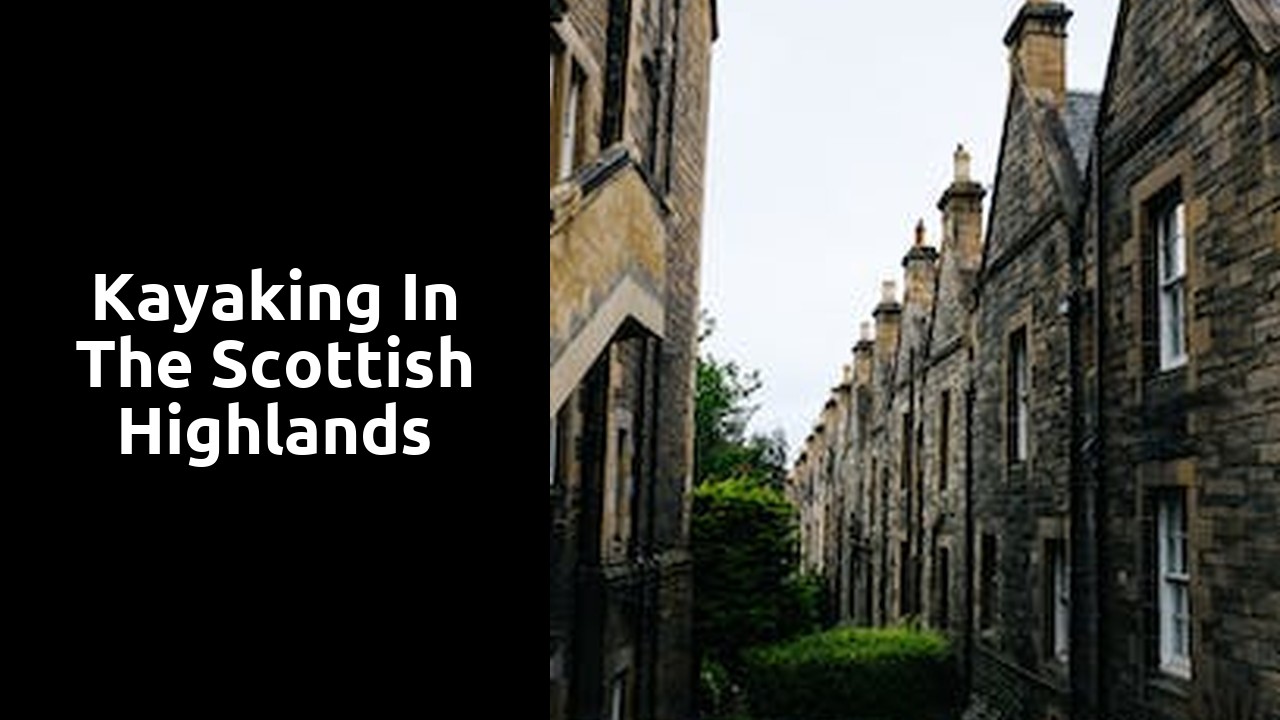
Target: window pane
{"points": [[1019, 390], [1170, 227], [569, 128], [1180, 240], [1176, 319], [1174, 593], [553, 451]]}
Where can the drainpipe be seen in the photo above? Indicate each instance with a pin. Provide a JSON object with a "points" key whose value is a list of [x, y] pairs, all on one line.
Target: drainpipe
{"points": [[645, 621], [969, 399], [1083, 521], [1097, 458], [1086, 525]]}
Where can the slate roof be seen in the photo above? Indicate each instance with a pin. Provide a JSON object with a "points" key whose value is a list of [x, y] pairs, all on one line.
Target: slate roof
{"points": [[1080, 117]]}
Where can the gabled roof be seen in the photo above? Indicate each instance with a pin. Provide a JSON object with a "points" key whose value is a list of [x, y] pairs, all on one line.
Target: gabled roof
{"points": [[1080, 117], [1262, 19], [1065, 136]]}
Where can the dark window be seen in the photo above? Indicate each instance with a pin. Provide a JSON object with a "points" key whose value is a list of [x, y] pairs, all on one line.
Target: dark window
{"points": [[987, 588], [944, 588], [944, 438], [873, 490], [905, 469], [1018, 397], [904, 579]]}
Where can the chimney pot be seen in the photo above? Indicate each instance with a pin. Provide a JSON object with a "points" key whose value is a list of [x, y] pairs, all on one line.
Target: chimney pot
{"points": [[963, 165], [888, 292]]}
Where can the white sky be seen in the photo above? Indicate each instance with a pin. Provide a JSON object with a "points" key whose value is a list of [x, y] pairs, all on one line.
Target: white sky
{"points": [[833, 123]]}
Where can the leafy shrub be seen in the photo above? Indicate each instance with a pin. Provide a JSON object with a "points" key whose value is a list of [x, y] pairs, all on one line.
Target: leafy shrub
{"points": [[746, 557], [854, 674]]}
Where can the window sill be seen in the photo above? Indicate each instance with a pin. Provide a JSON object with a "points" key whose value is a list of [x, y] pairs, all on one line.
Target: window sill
{"points": [[1016, 470], [1174, 686]]}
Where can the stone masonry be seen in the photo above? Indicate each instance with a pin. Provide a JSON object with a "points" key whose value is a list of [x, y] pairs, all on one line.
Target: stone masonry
{"points": [[1062, 445], [628, 117]]}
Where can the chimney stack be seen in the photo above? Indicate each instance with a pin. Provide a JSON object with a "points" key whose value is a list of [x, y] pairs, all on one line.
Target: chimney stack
{"points": [[888, 315], [920, 264], [1037, 42], [961, 207], [863, 353]]}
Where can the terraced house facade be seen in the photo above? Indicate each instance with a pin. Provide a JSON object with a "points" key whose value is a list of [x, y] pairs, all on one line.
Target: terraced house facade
{"points": [[629, 83], [1062, 445]]}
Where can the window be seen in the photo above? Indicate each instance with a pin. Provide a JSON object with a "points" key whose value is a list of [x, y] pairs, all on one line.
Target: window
{"points": [[559, 424], [1018, 398], [987, 588], [566, 93], [1171, 259], [873, 490], [944, 438], [904, 579], [1173, 581], [569, 124], [944, 588], [905, 464], [618, 697], [622, 488], [1058, 600], [554, 450]]}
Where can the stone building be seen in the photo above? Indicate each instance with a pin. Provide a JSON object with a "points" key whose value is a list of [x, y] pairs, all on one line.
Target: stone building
{"points": [[629, 83], [1022, 433], [1185, 235], [1062, 447]]}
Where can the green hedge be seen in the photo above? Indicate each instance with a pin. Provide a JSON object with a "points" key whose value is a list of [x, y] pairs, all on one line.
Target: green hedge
{"points": [[746, 553], [854, 674]]}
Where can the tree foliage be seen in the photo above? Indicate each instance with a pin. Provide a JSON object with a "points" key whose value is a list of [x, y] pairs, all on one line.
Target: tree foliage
{"points": [[746, 563], [722, 411]]}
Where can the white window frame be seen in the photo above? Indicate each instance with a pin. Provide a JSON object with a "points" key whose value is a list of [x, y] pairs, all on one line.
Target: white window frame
{"points": [[554, 452], [568, 80], [1174, 585], [1171, 260], [569, 121], [617, 697], [1060, 595]]}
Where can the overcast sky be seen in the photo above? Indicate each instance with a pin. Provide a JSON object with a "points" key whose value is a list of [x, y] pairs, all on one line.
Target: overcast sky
{"points": [[833, 124]]}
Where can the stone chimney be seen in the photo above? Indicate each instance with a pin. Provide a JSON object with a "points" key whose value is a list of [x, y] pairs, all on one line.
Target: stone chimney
{"points": [[961, 207], [920, 263], [1037, 42], [888, 315], [863, 354]]}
